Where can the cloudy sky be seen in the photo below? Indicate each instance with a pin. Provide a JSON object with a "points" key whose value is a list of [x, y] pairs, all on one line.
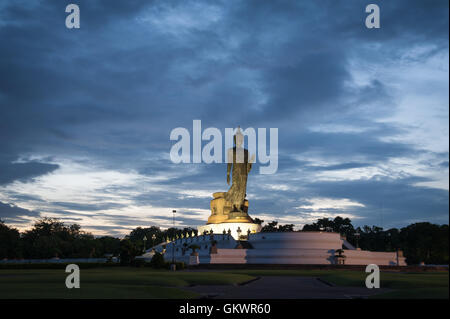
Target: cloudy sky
{"points": [[86, 114]]}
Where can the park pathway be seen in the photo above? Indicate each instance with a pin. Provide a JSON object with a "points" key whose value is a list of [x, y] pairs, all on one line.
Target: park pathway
{"points": [[284, 287]]}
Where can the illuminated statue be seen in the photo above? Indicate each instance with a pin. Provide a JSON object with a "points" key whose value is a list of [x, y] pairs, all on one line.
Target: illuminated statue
{"points": [[240, 166], [232, 206]]}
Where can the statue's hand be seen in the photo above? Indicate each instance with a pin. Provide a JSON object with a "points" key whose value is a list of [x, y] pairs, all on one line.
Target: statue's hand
{"points": [[228, 179]]}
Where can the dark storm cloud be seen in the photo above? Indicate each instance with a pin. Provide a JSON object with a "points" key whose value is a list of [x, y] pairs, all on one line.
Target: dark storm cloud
{"points": [[299, 82], [345, 144], [11, 212], [444, 164], [23, 171], [312, 63], [24, 197], [112, 91]]}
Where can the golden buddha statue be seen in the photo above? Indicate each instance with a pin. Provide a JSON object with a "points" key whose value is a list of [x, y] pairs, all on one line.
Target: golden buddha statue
{"points": [[231, 206]]}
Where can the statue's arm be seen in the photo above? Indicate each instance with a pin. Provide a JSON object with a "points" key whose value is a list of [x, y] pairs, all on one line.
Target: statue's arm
{"points": [[230, 162], [249, 164]]}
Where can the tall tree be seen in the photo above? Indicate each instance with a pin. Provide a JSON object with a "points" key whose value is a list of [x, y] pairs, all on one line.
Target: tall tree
{"points": [[10, 246], [425, 242]]}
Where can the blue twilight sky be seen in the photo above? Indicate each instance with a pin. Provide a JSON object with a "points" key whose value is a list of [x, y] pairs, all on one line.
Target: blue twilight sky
{"points": [[85, 115]]}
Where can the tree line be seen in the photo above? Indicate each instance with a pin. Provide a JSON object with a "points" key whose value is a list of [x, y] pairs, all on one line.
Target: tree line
{"points": [[50, 238]]}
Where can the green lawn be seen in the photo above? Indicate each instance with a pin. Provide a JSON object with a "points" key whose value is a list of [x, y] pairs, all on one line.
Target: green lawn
{"points": [[109, 283], [405, 285], [122, 282]]}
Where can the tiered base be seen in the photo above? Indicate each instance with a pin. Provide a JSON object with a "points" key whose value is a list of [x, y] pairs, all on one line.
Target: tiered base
{"points": [[233, 227]]}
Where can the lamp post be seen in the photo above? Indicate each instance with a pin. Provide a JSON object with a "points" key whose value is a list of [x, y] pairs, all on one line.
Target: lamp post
{"points": [[357, 234], [153, 240], [145, 240], [173, 267]]}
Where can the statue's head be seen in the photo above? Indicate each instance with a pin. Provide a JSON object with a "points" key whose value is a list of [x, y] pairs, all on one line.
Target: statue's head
{"points": [[238, 138]]}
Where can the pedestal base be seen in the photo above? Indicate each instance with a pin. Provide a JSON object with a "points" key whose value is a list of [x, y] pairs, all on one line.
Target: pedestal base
{"points": [[221, 211], [233, 227]]}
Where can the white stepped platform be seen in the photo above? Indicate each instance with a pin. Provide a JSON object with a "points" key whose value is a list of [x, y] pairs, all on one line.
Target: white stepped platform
{"points": [[275, 248]]}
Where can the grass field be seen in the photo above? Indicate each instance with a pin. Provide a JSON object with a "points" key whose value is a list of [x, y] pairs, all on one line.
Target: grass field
{"points": [[122, 282], [109, 283]]}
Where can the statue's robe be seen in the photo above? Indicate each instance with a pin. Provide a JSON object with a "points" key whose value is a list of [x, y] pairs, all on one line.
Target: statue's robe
{"points": [[238, 158]]}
